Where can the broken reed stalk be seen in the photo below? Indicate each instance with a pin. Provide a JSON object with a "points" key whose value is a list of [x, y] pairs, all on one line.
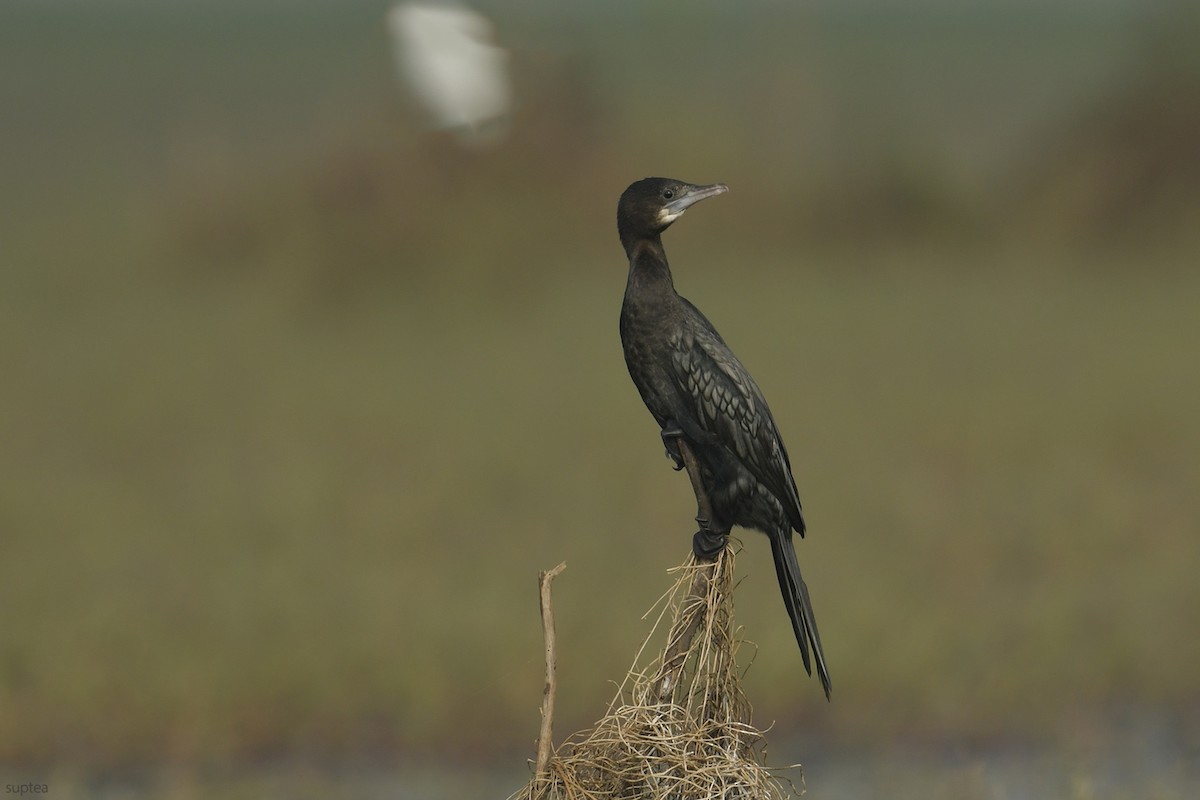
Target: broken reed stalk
{"points": [[679, 727], [703, 506], [700, 745], [685, 625], [546, 736]]}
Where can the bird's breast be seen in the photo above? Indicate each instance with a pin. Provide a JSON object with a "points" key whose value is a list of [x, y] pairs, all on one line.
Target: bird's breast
{"points": [[647, 343]]}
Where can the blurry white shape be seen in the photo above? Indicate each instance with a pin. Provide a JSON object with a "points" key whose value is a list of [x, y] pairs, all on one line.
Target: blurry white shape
{"points": [[446, 55]]}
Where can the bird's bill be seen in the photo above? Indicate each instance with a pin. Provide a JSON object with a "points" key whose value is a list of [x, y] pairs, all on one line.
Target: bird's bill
{"points": [[695, 194], [688, 198]]}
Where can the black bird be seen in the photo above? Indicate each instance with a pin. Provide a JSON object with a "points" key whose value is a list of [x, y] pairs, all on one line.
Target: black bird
{"points": [[698, 390]]}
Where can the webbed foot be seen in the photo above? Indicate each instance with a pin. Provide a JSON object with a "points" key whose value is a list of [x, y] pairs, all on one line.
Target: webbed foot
{"points": [[707, 545], [710, 540]]}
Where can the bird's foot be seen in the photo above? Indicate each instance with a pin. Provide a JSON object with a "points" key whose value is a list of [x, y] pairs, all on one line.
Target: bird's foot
{"points": [[707, 544], [671, 434]]}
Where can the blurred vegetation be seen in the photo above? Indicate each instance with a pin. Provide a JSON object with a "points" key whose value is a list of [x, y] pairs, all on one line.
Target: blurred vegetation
{"points": [[301, 397]]}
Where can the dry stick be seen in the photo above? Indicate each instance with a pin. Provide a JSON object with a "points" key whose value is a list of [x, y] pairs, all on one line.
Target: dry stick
{"points": [[684, 628], [703, 506], [546, 737]]}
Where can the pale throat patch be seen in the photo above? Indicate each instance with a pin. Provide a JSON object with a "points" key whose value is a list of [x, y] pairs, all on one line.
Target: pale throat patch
{"points": [[666, 217]]}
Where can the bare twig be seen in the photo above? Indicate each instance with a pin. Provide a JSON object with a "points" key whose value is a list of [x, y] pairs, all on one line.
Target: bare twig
{"points": [[546, 736]]}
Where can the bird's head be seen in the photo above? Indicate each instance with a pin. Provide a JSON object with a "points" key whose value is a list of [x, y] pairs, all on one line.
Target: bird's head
{"points": [[650, 205]]}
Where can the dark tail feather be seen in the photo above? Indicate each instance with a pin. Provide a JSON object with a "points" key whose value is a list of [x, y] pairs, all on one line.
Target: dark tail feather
{"points": [[799, 607]]}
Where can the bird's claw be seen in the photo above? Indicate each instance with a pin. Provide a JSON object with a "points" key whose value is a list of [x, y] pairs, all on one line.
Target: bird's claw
{"points": [[671, 434]]}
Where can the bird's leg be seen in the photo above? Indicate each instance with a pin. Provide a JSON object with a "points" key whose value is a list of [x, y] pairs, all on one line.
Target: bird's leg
{"points": [[671, 434]]}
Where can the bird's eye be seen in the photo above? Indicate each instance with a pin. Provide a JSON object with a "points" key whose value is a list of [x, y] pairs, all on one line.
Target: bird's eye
{"points": [[668, 194]]}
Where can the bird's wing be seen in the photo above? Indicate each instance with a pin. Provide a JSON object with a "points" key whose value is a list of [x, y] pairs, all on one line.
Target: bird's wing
{"points": [[730, 408]]}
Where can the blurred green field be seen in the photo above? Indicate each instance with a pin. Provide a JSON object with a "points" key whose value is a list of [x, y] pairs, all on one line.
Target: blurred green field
{"points": [[286, 531], [300, 398]]}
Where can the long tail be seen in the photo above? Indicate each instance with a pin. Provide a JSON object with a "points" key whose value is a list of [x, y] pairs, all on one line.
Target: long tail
{"points": [[799, 607]]}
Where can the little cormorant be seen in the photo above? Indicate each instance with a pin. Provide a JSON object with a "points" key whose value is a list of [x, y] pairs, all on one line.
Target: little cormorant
{"points": [[698, 390]]}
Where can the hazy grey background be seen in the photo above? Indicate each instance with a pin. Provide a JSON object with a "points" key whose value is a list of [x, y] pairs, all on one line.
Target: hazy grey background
{"points": [[300, 394]]}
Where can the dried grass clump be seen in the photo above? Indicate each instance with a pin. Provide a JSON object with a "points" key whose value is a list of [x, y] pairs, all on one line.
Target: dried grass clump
{"points": [[679, 727]]}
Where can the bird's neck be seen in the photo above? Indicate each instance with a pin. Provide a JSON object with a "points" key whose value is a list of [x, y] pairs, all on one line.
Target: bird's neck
{"points": [[649, 272]]}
